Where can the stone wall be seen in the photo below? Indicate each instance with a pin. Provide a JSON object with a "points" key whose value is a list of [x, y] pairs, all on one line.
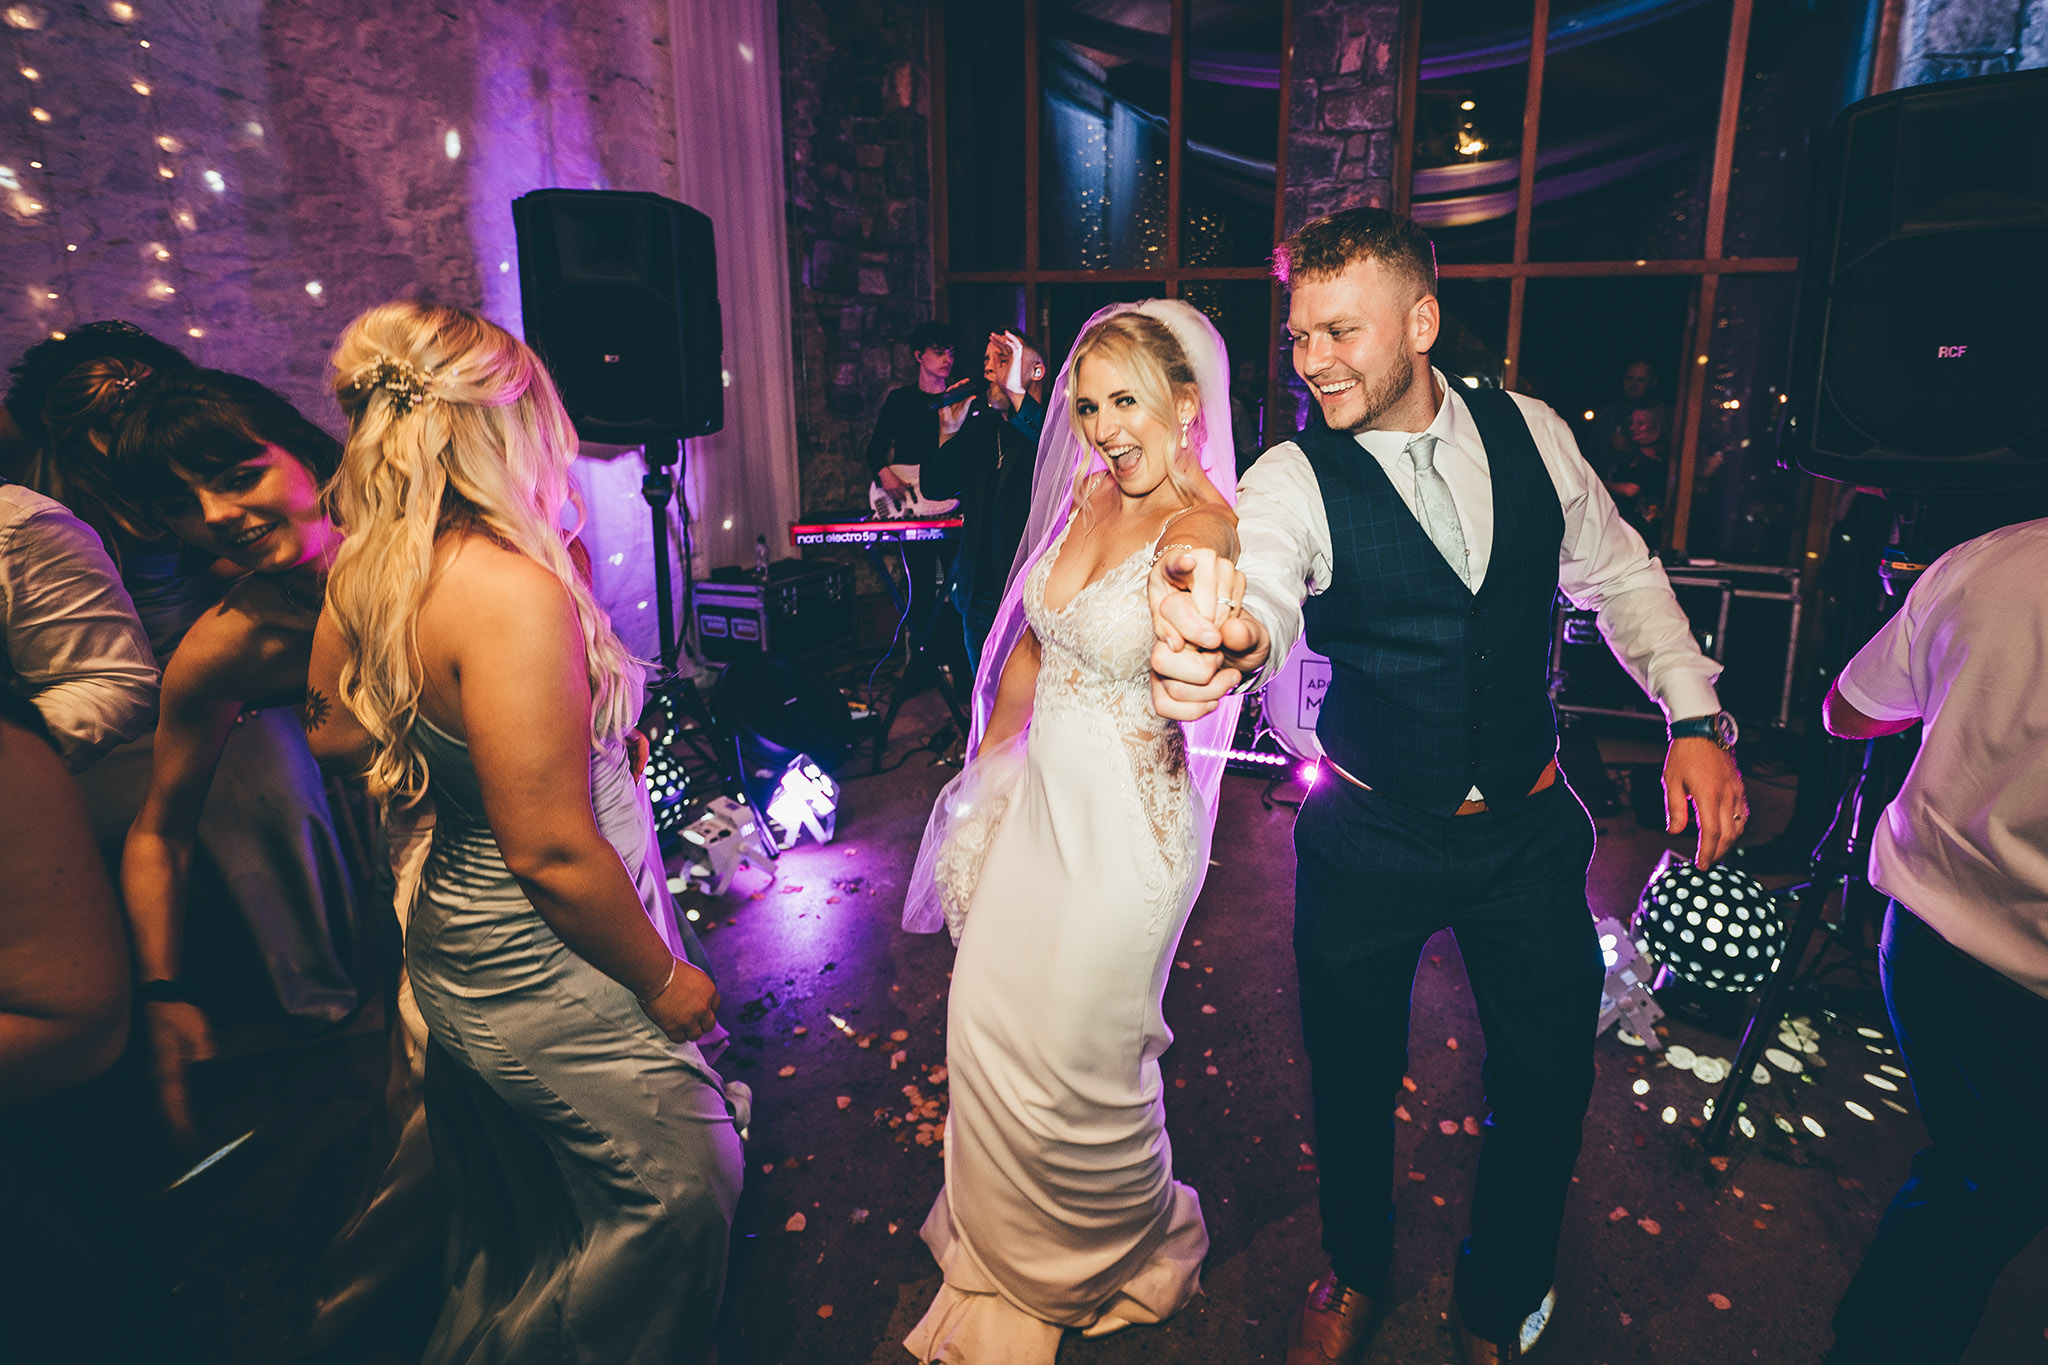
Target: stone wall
{"points": [[1345, 101], [1942, 40], [1343, 106], [856, 124], [244, 176]]}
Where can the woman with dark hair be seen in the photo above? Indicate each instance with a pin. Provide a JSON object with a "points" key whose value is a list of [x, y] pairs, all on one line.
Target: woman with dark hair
{"points": [[167, 578], [234, 470], [30, 379]]}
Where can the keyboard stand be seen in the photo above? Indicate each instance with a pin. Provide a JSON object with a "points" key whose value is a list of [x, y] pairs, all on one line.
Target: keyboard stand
{"points": [[921, 670]]}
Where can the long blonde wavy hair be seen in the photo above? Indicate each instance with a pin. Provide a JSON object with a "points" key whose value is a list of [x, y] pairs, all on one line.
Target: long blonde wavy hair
{"points": [[453, 422]]}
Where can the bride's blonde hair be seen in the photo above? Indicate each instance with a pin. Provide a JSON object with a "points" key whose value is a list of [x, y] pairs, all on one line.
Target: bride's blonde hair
{"points": [[452, 421]]}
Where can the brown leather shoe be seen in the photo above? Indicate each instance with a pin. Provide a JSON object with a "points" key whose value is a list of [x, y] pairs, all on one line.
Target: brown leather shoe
{"points": [[1477, 1350], [1331, 1326]]}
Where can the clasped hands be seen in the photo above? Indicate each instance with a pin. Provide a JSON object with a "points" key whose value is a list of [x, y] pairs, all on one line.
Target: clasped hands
{"points": [[1203, 643]]}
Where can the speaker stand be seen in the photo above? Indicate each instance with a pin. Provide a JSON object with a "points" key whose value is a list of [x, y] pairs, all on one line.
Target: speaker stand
{"points": [[1834, 865], [658, 488]]}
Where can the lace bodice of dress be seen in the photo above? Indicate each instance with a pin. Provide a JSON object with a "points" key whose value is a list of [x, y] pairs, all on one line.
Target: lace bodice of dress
{"points": [[1095, 669]]}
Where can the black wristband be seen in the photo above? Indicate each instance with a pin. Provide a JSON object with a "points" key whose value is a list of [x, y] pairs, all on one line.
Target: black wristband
{"points": [[165, 993]]}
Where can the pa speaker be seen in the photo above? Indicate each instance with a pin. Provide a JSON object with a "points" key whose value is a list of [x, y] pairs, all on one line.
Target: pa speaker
{"points": [[619, 293], [1920, 345]]}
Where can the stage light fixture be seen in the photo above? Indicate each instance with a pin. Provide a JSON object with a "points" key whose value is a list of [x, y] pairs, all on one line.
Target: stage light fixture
{"points": [[715, 844], [1625, 999], [805, 799], [1712, 927]]}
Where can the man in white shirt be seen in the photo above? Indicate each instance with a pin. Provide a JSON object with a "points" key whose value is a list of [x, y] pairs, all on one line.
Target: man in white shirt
{"points": [[1963, 852], [1419, 536], [70, 641]]}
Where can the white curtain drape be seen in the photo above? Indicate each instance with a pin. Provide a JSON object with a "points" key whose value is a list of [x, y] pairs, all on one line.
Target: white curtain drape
{"points": [[741, 482]]}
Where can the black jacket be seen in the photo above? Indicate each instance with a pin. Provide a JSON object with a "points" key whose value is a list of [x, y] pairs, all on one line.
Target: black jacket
{"points": [[988, 466]]}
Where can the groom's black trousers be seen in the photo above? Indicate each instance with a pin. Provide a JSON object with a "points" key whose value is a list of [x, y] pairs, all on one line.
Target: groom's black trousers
{"points": [[1375, 879]]}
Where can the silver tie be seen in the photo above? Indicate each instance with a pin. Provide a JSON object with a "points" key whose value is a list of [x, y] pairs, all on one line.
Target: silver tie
{"points": [[1435, 510]]}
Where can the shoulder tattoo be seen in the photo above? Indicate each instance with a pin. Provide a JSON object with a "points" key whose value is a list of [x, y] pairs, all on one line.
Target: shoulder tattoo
{"points": [[316, 709]]}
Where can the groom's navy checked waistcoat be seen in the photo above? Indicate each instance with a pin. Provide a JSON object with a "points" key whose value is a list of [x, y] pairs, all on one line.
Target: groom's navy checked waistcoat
{"points": [[1435, 689]]}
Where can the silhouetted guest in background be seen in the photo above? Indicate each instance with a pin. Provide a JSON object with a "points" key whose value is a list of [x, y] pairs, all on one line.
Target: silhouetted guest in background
{"points": [[1641, 475], [988, 451], [1607, 442], [1247, 411], [1964, 956]]}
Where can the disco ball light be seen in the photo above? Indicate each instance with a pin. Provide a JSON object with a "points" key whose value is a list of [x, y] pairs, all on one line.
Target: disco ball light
{"points": [[1712, 927]]}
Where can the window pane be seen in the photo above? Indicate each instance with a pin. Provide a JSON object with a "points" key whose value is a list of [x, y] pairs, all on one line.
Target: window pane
{"points": [[1101, 149], [1746, 510], [975, 310], [1626, 149], [1233, 133], [1805, 63], [984, 136], [1474, 337], [1243, 312], [1064, 309], [1473, 81], [1605, 353]]}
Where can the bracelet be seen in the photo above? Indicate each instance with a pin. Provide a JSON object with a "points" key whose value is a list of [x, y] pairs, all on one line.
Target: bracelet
{"points": [[1162, 551], [666, 982]]}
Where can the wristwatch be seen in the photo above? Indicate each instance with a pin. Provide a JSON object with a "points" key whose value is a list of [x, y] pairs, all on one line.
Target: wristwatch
{"points": [[1719, 727]]}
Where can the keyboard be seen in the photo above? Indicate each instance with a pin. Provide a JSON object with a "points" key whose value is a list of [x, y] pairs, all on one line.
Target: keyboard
{"points": [[874, 532]]}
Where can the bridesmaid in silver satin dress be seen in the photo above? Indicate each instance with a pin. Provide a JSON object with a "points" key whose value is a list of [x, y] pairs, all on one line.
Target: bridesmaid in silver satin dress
{"points": [[587, 1144]]}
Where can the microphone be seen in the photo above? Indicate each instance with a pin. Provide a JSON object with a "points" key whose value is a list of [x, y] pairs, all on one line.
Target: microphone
{"points": [[966, 388]]}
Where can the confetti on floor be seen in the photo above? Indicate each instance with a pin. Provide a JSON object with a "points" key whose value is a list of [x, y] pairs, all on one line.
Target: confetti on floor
{"points": [[824, 1310], [1618, 1214], [796, 1223], [1650, 1225], [787, 1072], [1719, 1301]]}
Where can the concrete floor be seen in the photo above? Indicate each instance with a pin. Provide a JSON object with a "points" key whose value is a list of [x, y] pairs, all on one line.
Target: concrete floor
{"points": [[1666, 1259]]}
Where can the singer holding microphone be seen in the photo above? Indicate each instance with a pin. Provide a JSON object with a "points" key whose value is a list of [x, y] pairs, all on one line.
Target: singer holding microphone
{"points": [[988, 450]]}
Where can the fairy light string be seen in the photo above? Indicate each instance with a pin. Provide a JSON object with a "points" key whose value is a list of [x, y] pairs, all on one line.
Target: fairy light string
{"points": [[30, 199]]}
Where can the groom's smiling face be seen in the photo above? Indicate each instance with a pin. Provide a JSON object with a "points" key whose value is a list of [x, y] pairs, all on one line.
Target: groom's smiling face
{"points": [[1361, 340]]}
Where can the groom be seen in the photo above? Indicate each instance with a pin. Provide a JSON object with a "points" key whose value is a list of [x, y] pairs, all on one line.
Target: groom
{"points": [[1420, 533]]}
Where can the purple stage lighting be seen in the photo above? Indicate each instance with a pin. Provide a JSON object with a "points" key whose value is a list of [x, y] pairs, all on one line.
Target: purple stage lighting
{"points": [[805, 799]]}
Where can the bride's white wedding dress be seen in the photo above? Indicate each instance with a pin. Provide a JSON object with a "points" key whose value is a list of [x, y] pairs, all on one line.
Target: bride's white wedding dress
{"points": [[1060, 1207]]}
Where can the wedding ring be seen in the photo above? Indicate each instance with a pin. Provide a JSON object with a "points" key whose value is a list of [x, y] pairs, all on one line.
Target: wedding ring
{"points": [[1229, 602]]}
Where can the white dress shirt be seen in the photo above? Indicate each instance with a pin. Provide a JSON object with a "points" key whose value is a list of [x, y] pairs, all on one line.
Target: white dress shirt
{"points": [[1603, 565], [1964, 845], [70, 641]]}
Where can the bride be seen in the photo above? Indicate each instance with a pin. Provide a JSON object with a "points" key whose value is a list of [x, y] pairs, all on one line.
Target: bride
{"points": [[1065, 859]]}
